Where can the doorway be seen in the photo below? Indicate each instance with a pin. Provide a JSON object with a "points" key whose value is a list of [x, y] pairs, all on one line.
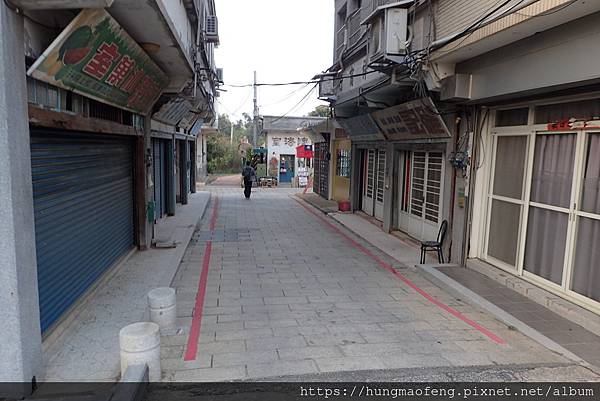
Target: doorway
{"points": [[420, 184], [373, 182], [286, 168]]}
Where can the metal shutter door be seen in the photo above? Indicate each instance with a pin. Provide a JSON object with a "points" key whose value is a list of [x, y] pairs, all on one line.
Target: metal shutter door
{"points": [[317, 168], [83, 205], [159, 150], [324, 171], [156, 178]]}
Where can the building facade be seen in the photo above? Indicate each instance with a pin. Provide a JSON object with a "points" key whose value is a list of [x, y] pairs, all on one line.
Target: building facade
{"points": [[516, 171], [107, 115], [534, 208], [283, 136], [398, 169]]}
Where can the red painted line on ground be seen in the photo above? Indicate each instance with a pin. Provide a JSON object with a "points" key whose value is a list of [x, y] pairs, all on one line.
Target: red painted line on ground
{"points": [[386, 266], [194, 336], [308, 184]]}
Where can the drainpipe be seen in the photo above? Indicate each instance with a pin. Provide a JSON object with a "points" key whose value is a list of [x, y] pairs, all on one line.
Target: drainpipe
{"points": [[477, 131], [453, 189]]}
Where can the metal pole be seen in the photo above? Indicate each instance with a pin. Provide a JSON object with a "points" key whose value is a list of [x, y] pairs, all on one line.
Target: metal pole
{"points": [[255, 131], [231, 134]]}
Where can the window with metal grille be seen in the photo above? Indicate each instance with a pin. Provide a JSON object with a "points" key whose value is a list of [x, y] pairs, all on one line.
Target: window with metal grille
{"points": [[380, 175], [342, 166], [426, 185], [370, 172]]}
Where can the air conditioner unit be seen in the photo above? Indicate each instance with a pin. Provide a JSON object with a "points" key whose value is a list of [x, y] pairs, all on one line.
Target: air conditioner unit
{"points": [[389, 34], [212, 29], [458, 87]]}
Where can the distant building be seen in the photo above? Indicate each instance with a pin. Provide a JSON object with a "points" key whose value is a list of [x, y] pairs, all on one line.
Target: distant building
{"points": [[283, 135]]}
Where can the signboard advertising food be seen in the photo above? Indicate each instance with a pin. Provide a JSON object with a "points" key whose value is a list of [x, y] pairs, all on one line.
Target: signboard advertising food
{"points": [[95, 57]]}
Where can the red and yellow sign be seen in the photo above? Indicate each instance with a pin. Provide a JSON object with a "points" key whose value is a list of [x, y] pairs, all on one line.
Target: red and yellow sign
{"points": [[95, 57]]}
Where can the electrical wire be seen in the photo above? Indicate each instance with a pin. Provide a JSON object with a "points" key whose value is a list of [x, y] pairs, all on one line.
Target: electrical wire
{"points": [[299, 104], [471, 29], [312, 81], [551, 11], [286, 97]]}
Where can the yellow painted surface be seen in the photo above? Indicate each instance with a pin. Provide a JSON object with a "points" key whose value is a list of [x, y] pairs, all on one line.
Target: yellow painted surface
{"points": [[341, 185]]}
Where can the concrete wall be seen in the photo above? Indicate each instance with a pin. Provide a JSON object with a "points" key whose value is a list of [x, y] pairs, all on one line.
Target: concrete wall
{"points": [[20, 352], [176, 12], [554, 59]]}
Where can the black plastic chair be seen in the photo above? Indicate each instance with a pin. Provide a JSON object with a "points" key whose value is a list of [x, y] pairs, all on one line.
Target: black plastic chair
{"points": [[430, 246]]}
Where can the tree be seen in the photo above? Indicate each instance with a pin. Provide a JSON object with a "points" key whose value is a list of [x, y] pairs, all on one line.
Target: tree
{"points": [[320, 111], [222, 154]]}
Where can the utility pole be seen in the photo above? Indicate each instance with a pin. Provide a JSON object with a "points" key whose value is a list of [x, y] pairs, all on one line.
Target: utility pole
{"points": [[231, 133], [255, 133]]}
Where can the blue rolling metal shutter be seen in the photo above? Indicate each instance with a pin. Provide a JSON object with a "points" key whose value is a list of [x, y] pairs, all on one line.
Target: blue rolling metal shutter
{"points": [[83, 204]]}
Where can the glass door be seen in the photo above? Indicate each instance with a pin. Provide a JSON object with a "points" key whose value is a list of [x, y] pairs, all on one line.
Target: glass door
{"points": [[550, 205], [506, 199], [584, 279]]}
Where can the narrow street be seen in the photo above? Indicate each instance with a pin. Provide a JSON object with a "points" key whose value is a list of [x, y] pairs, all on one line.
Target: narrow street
{"points": [[286, 291]]}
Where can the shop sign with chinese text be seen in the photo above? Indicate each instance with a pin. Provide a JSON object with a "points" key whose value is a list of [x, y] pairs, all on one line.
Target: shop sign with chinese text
{"points": [[418, 119], [95, 57], [574, 124]]}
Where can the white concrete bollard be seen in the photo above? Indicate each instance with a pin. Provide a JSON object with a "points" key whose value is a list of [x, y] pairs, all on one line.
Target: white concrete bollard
{"points": [[163, 308], [140, 343]]}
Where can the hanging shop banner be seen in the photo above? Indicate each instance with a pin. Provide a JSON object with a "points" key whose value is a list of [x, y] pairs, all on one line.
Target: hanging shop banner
{"points": [[418, 119], [95, 57]]}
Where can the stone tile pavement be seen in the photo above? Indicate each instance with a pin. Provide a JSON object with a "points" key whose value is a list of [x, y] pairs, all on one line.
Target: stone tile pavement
{"points": [[87, 346], [287, 295], [573, 337]]}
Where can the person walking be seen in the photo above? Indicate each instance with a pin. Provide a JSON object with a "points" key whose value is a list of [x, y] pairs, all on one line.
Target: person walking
{"points": [[249, 176]]}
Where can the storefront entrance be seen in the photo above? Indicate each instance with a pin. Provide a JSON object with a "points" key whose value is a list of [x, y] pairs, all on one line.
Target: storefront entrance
{"points": [[543, 208], [373, 182], [286, 168], [420, 185]]}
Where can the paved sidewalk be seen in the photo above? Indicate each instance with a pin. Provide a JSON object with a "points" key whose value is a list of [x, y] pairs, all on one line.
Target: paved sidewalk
{"points": [[316, 200], [573, 337], [88, 348], [401, 247], [291, 292]]}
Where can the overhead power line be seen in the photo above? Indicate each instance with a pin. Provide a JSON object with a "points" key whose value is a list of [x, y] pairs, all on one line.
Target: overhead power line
{"points": [[314, 81]]}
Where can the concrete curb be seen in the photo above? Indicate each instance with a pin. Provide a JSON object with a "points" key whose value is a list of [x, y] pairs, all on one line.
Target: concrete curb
{"points": [[169, 275], [133, 384], [456, 288]]}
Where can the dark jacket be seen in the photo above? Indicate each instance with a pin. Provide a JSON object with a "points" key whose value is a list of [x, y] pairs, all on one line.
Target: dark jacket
{"points": [[248, 173]]}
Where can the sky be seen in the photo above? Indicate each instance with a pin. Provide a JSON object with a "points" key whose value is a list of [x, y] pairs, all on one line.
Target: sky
{"points": [[283, 40]]}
